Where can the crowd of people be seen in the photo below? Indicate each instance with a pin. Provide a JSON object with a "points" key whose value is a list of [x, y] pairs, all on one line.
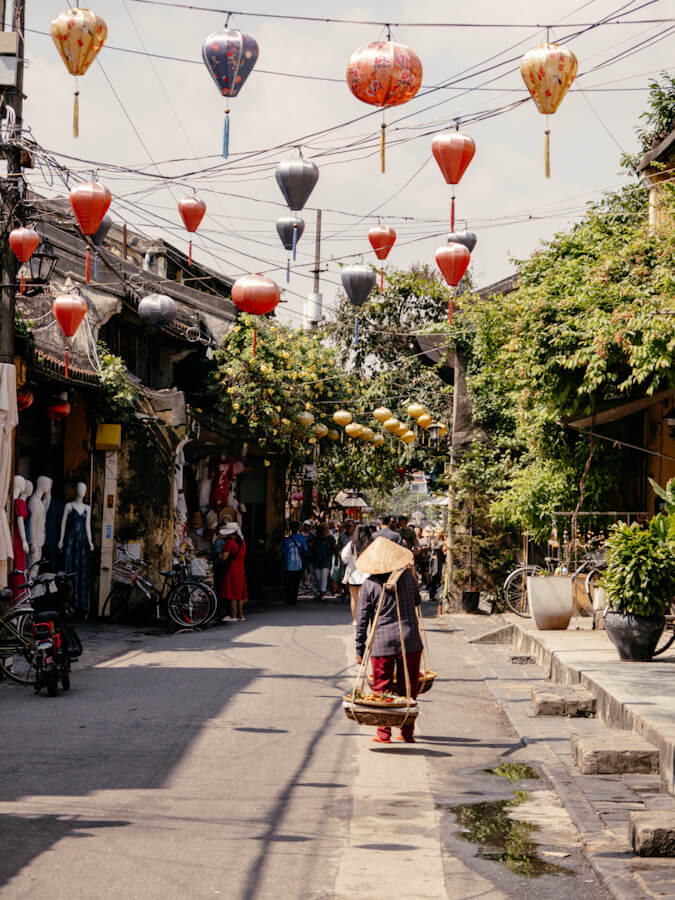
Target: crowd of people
{"points": [[321, 556]]}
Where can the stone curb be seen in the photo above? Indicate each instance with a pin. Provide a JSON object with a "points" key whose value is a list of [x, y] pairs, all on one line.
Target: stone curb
{"points": [[605, 854]]}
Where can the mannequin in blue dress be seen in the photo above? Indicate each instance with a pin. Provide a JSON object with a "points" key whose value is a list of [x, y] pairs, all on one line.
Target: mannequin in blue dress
{"points": [[75, 541]]}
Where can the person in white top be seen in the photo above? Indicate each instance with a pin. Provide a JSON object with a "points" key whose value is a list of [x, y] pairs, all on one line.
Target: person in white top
{"points": [[354, 577]]}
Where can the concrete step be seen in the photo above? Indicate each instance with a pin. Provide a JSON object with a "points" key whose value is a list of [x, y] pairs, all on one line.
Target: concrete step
{"points": [[652, 833], [560, 700], [613, 752]]}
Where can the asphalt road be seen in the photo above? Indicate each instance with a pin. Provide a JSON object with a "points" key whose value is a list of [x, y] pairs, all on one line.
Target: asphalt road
{"points": [[220, 764]]}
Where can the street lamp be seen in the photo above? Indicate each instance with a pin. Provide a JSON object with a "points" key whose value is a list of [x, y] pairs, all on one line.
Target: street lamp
{"points": [[42, 263], [434, 433]]}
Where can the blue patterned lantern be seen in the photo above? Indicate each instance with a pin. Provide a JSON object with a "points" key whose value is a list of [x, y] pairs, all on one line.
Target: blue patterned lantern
{"points": [[229, 56]]}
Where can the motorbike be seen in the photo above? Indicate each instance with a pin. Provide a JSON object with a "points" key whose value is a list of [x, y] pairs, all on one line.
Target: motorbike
{"points": [[55, 641]]}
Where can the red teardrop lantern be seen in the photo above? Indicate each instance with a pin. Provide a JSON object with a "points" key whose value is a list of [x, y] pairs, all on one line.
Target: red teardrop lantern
{"points": [[191, 211], [24, 398], [23, 242], [453, 152], [384, 73], [90, 202], [453, 261], [257, 295], [382, 239], [69, 310], [58, 409]]}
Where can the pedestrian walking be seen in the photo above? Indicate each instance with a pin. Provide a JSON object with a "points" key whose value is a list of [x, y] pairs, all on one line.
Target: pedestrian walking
{"points": [[381, 558], [354, 577], [310, 536], [388, 529], [407, 534], [322, 557], [293, 553], [232, 556]]}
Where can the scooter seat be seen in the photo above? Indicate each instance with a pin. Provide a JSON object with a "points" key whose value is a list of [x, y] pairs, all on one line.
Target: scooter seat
{"points": [[48, 616]]}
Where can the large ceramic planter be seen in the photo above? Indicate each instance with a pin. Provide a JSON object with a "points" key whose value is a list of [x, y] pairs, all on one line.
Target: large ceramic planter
{"points": [[550, 598], [635, 637]]}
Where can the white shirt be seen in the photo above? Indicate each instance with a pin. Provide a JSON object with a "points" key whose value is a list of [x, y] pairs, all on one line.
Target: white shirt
{"points": [[352, 574]]}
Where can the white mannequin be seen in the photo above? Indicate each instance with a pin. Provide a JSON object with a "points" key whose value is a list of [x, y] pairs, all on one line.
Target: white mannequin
{"points": [[38, 517], [27, 491], [80, 507], [19, 521]]}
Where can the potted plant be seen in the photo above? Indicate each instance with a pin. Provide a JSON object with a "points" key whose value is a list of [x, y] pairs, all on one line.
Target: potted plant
{"points": [[640, 580], [551, 600]]}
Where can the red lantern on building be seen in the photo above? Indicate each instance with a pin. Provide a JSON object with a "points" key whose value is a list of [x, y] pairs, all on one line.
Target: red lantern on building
{"points": [[24, 398], [453, 261], [69, 310], [58, 409], [382, 239], [256, 295], [384, 74], [453, 152], [90, 202], [191, 211], [23, 242]]}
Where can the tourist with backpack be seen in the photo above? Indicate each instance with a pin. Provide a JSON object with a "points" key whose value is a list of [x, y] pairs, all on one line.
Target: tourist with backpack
{"points": [[293, 553]]}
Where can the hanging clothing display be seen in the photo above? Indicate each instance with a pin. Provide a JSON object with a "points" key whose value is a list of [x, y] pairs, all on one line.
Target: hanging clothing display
{"points": [[20, 560]]}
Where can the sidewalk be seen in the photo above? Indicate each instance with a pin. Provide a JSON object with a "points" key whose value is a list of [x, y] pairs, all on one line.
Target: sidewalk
{"points": [[629, 695]]}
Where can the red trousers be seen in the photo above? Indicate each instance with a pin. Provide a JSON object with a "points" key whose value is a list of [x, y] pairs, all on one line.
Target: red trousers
{"points": [[383, 680]]}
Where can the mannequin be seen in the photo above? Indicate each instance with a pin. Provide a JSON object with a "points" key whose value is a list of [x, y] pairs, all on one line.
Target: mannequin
{"points": [[76, 531], [25, 494], [38, 518], [19, 542], [53, 516]]}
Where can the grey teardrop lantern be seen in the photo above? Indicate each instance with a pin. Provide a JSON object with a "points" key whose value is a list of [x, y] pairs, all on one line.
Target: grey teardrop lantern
{"points": [[358, 281], [290, 230], [101, 232], [297, 179], [468, 238], [157, 310]]}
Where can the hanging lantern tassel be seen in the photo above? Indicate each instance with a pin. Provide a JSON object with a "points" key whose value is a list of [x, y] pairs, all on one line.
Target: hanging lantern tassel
{"points": [[226, 134], [95, 266], [255, 341], [450, 305], [288, 270], [190, 252], [452, 211], [295, 240], [66, 357], [87, 266], [382, 279], [356, 331], [22, 282], [547, 152], [76, 115], [383, 143]]}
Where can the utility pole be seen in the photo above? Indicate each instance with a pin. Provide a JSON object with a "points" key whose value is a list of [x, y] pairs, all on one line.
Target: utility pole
{"points": [[313, 307], [12, 197]]}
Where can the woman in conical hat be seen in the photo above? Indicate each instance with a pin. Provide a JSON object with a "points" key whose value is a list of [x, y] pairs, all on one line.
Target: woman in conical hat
{"points": [[388, 562]]}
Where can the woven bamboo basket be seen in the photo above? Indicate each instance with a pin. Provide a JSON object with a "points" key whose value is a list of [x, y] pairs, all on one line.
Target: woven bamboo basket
{"points": [[427, 679], [379, 715]]}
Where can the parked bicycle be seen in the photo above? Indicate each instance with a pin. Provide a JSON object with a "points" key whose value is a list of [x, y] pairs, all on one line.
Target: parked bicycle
{"points": [[668, 636], [514, 590], [133, 599]]}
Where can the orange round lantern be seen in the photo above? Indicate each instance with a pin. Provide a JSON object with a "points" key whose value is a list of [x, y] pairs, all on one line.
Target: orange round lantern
{"points": [[24, 398], [453, 261], [548, 71], [256, 295], [191, 211], [384, 73], [453, 152], [58, 409], [90, 202], [23, 242], [69, 310]]}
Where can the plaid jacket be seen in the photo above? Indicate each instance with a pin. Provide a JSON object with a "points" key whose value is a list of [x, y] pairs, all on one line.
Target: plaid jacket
{"points": [[387, 636]]}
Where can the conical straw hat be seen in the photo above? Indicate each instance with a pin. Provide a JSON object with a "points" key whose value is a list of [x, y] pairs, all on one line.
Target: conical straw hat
{"points": [[383, 556]]}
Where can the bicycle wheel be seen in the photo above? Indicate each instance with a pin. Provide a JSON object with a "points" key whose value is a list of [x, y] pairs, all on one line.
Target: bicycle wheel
{"points": [[591, 584], [515, 590], [668, 636], [117, 602], [17, 649], [191, 604]]}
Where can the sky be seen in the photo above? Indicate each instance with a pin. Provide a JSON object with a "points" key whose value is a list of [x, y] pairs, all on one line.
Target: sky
{"points": [[163, 119]]}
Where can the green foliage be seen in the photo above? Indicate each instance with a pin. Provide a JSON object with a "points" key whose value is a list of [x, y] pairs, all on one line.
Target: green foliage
{"points": [[121, 396], [640, 574], [659, 118]]}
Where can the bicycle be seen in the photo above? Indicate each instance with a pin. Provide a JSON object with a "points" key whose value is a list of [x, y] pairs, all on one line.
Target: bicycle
{"points": [[515, 585], [189, 603], [668, 636]]}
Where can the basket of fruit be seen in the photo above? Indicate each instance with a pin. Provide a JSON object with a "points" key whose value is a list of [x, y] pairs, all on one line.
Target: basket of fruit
{"points": [[379, 709]]}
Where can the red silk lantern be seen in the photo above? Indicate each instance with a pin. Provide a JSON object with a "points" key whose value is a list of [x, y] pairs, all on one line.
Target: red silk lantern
{"points": [[453, 261], [23, 242], [256, 295], [24, 398], [191, 211], [90, 203], [382, 239], [58, 409], [384, 74], [69, 310], [453, 152]]}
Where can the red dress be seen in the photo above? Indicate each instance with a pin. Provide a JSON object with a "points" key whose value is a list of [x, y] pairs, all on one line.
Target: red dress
{"points": [[233, 585], [20, 512]]}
